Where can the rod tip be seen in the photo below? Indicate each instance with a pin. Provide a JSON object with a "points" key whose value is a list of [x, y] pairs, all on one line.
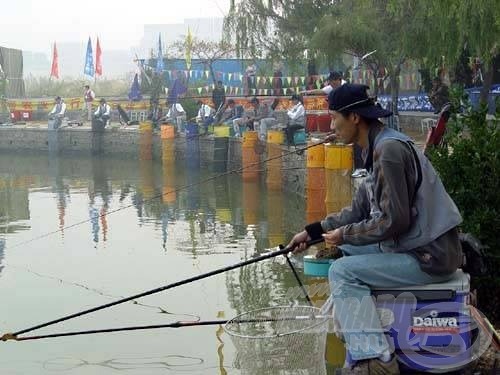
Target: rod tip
{"points": [[8, 336]]}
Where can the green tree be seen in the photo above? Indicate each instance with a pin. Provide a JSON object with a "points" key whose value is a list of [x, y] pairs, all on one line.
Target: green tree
{"points": [[443, 29], [276, 29]]}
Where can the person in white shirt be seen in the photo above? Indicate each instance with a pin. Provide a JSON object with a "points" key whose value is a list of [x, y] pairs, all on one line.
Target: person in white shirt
{"points": [[88, 98], [101, 115], [334, 80], [296, 118], [205, 115], [176, 114], [58, 112]]}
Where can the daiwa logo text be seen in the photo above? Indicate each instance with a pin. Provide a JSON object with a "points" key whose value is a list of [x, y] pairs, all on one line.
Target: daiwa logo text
{"points": [[433, 323]]}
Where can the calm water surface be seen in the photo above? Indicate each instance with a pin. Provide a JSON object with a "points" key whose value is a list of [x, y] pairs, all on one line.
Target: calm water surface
{"points": [[149, 243]]}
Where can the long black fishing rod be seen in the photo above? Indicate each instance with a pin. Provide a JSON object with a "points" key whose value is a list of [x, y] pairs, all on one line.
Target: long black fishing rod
{"points": [[179, 324], [283, 251], [182, 188]]}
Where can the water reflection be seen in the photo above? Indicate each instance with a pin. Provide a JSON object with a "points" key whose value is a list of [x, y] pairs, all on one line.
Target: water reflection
{"points": [[157, 233]]}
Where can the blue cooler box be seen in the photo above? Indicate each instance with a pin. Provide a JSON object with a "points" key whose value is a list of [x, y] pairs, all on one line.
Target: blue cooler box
{"points": [[430, 326]]}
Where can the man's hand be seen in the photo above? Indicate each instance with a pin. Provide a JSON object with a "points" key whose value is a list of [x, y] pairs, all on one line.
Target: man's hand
{"points": [[298, 242], [334, 237], [331, 137]]}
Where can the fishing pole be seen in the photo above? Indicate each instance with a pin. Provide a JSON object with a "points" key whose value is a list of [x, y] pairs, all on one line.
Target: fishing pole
{"points": [[182, 188], [178, 324], [281, 251]]}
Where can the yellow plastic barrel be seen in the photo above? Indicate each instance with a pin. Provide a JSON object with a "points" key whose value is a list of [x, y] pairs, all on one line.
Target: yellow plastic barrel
{"points": [[276, 137], [222, 131], [338, 189], [145, 126], [250, 138], [167, 131], [315, 155], [338, 156]]}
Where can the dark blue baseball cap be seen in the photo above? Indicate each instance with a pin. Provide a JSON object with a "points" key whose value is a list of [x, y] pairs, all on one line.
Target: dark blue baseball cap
{"points": [[354, 98]]}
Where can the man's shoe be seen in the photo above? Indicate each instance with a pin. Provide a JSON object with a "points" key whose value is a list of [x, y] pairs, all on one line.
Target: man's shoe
{"points": [[372, 366]]}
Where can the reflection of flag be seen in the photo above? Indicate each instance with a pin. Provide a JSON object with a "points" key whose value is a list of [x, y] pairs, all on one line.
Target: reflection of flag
{"points": [[189, 42], [159, 60], [54, 71], [89, 61], [98, 62]]}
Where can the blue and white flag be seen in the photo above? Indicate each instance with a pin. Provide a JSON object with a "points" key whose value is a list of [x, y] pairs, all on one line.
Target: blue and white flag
{"points": [[159, 60], [89, 61]]}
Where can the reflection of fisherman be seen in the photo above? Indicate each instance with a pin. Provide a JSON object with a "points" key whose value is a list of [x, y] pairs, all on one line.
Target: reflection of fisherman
{"points": [[101, 115], [400, 230], [176, 114], [57, 113]]}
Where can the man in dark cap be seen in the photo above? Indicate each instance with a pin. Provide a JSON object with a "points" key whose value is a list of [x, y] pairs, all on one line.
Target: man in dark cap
{"points": [[400, 230], [334, 80]]}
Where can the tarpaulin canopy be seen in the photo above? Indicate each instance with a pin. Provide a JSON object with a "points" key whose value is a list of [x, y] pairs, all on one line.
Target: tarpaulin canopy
{"points": [[11, 62]]}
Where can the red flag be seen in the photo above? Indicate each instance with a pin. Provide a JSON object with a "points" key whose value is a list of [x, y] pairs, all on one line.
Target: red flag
{"points": [[98, 62], [54, 72]]}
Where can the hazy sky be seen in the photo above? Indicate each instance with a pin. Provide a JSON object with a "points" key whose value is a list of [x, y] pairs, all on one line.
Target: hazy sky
{"points": [[34, 25]]}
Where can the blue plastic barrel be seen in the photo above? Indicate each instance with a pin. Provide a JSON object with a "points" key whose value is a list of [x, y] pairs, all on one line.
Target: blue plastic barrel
{"points": [[191, 130]]}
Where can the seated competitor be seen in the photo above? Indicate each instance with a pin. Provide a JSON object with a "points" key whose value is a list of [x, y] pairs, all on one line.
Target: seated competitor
{"points": [[400, 230]]}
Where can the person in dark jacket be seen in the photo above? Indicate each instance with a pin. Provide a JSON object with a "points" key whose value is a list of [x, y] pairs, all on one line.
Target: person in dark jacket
{"points": [[400, 230], [218, 97]]}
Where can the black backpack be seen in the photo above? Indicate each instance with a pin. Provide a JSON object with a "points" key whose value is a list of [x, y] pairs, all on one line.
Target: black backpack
{"points": [[474, 262]]}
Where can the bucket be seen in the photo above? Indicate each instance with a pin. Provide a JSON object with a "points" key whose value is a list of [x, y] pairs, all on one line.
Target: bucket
{"points": [[191, 129], [275, 136], [311, 122], [316, 267], [323, 122], [167, 131], [315, 155], [250, 138], [222, 131], [299, 137], [338, 157]]}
